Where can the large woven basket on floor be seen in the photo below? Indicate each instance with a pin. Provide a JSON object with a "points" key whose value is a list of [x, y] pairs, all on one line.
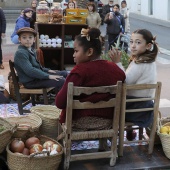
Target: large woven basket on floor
{"points": [[23, 162], [25, 124], [50, 118], [5, 135], [165, 138]]}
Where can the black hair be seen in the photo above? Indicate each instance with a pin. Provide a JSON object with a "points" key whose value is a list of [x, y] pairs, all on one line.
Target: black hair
{"points": [[149, 55], [117, 5], [94, 42], [123, 2]]}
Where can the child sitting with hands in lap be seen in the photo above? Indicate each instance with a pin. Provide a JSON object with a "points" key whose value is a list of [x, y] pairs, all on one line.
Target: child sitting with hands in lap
{"points": [[142, 69], [31, 74]]}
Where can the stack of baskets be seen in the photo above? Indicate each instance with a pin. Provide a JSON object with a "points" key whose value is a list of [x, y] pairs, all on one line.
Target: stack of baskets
{"points": [[50, 119], [28, 126], [32, 162], [165, 138], [6, 134]]}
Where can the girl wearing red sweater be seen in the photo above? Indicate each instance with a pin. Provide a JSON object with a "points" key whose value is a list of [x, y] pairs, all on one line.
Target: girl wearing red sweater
{"points": [[89, 71]]}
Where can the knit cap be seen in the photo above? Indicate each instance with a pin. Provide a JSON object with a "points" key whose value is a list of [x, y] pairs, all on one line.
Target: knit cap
{"points": [[27, 10]]}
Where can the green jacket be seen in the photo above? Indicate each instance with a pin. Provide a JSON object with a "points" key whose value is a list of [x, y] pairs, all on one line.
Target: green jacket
{"points": [[27, 66]]}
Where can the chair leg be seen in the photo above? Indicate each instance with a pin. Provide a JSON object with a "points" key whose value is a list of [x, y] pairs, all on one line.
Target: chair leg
{"points": [[67, 153], [45, 96], [114, 150], [19, 101], [33, 99], [103, 144], [140, 133]]}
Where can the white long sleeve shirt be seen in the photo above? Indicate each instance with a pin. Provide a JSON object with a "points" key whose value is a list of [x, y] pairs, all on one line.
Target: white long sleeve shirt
{"points": [[140, 74]]}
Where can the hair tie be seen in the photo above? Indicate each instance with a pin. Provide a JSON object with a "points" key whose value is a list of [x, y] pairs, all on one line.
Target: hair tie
{"points": [[84, 33], [153, 41]]}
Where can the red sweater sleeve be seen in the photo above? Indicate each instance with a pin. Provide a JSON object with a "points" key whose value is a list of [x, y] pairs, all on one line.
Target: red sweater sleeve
{"points": [[61, 98]]}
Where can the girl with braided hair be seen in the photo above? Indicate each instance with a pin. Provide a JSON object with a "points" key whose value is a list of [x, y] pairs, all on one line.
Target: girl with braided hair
{"points": [[90, 71], [141, 70]]}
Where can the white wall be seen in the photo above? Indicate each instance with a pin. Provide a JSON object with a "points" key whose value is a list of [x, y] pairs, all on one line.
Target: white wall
{"points": [[161, 9]]}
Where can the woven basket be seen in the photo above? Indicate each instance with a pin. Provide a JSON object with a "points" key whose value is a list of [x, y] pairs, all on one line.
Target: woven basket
{"points": [[25, 124], [5, 136], [50, 119], [42, 18], [165, 138], [23, 162]]}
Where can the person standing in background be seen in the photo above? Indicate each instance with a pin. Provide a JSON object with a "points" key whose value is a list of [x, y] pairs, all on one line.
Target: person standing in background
{"points": [[125, 12], [115, 25], [108, 8], [93, 18], [33, 19], [2, 32]]}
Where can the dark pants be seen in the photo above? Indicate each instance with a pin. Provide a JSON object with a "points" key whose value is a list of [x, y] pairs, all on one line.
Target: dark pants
{"points": [[142, 119], [0, 50], [112, 39], [3, 99], [47, 83]]}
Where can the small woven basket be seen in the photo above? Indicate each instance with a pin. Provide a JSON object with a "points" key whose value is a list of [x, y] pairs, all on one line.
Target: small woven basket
{"points": [[5, 135], [165, 138], [42, 18], [23, 162], [50, 119], [25, 124]]}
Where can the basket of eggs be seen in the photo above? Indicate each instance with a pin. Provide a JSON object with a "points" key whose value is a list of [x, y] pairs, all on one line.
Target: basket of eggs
{"points": [[34, 153]]}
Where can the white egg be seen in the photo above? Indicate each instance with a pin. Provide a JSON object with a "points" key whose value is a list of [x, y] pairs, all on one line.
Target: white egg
{"points": [[44, 45], [54, 45], [49, 41], [59, 41], [40, 45], [42, 36], [58, 45], [53, 40], [44, 41], [46, 37]]}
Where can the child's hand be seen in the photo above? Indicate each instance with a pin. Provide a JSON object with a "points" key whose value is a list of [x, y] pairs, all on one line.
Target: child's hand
{"points": [[55, 77], [114, 54], [52, 71]]}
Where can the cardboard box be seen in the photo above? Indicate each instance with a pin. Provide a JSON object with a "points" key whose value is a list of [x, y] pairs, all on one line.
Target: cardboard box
{"points": [[74, 20], [77, 12], [72, 12], [83, 13]]}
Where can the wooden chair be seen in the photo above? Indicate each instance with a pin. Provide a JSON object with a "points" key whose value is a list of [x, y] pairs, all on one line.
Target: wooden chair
{"points": [[124, 125], [70, 135], [22, 90]]}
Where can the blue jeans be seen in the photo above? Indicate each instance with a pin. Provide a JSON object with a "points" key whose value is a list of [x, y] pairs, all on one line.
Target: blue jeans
{"points": [[142, 119]]}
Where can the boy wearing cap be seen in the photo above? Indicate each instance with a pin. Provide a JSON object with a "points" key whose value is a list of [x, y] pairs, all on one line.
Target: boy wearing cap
{"points": [[31, 74], [22, 21], [108, 8]]}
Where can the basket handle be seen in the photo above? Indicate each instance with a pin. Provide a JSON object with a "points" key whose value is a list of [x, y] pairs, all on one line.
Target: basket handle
{"points": [[159, 124]]}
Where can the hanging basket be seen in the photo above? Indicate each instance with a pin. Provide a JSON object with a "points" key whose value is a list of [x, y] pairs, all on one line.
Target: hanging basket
{"points": [[31, 162], [6, 134], [50, 119], [165, 138], [25, 123]]}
